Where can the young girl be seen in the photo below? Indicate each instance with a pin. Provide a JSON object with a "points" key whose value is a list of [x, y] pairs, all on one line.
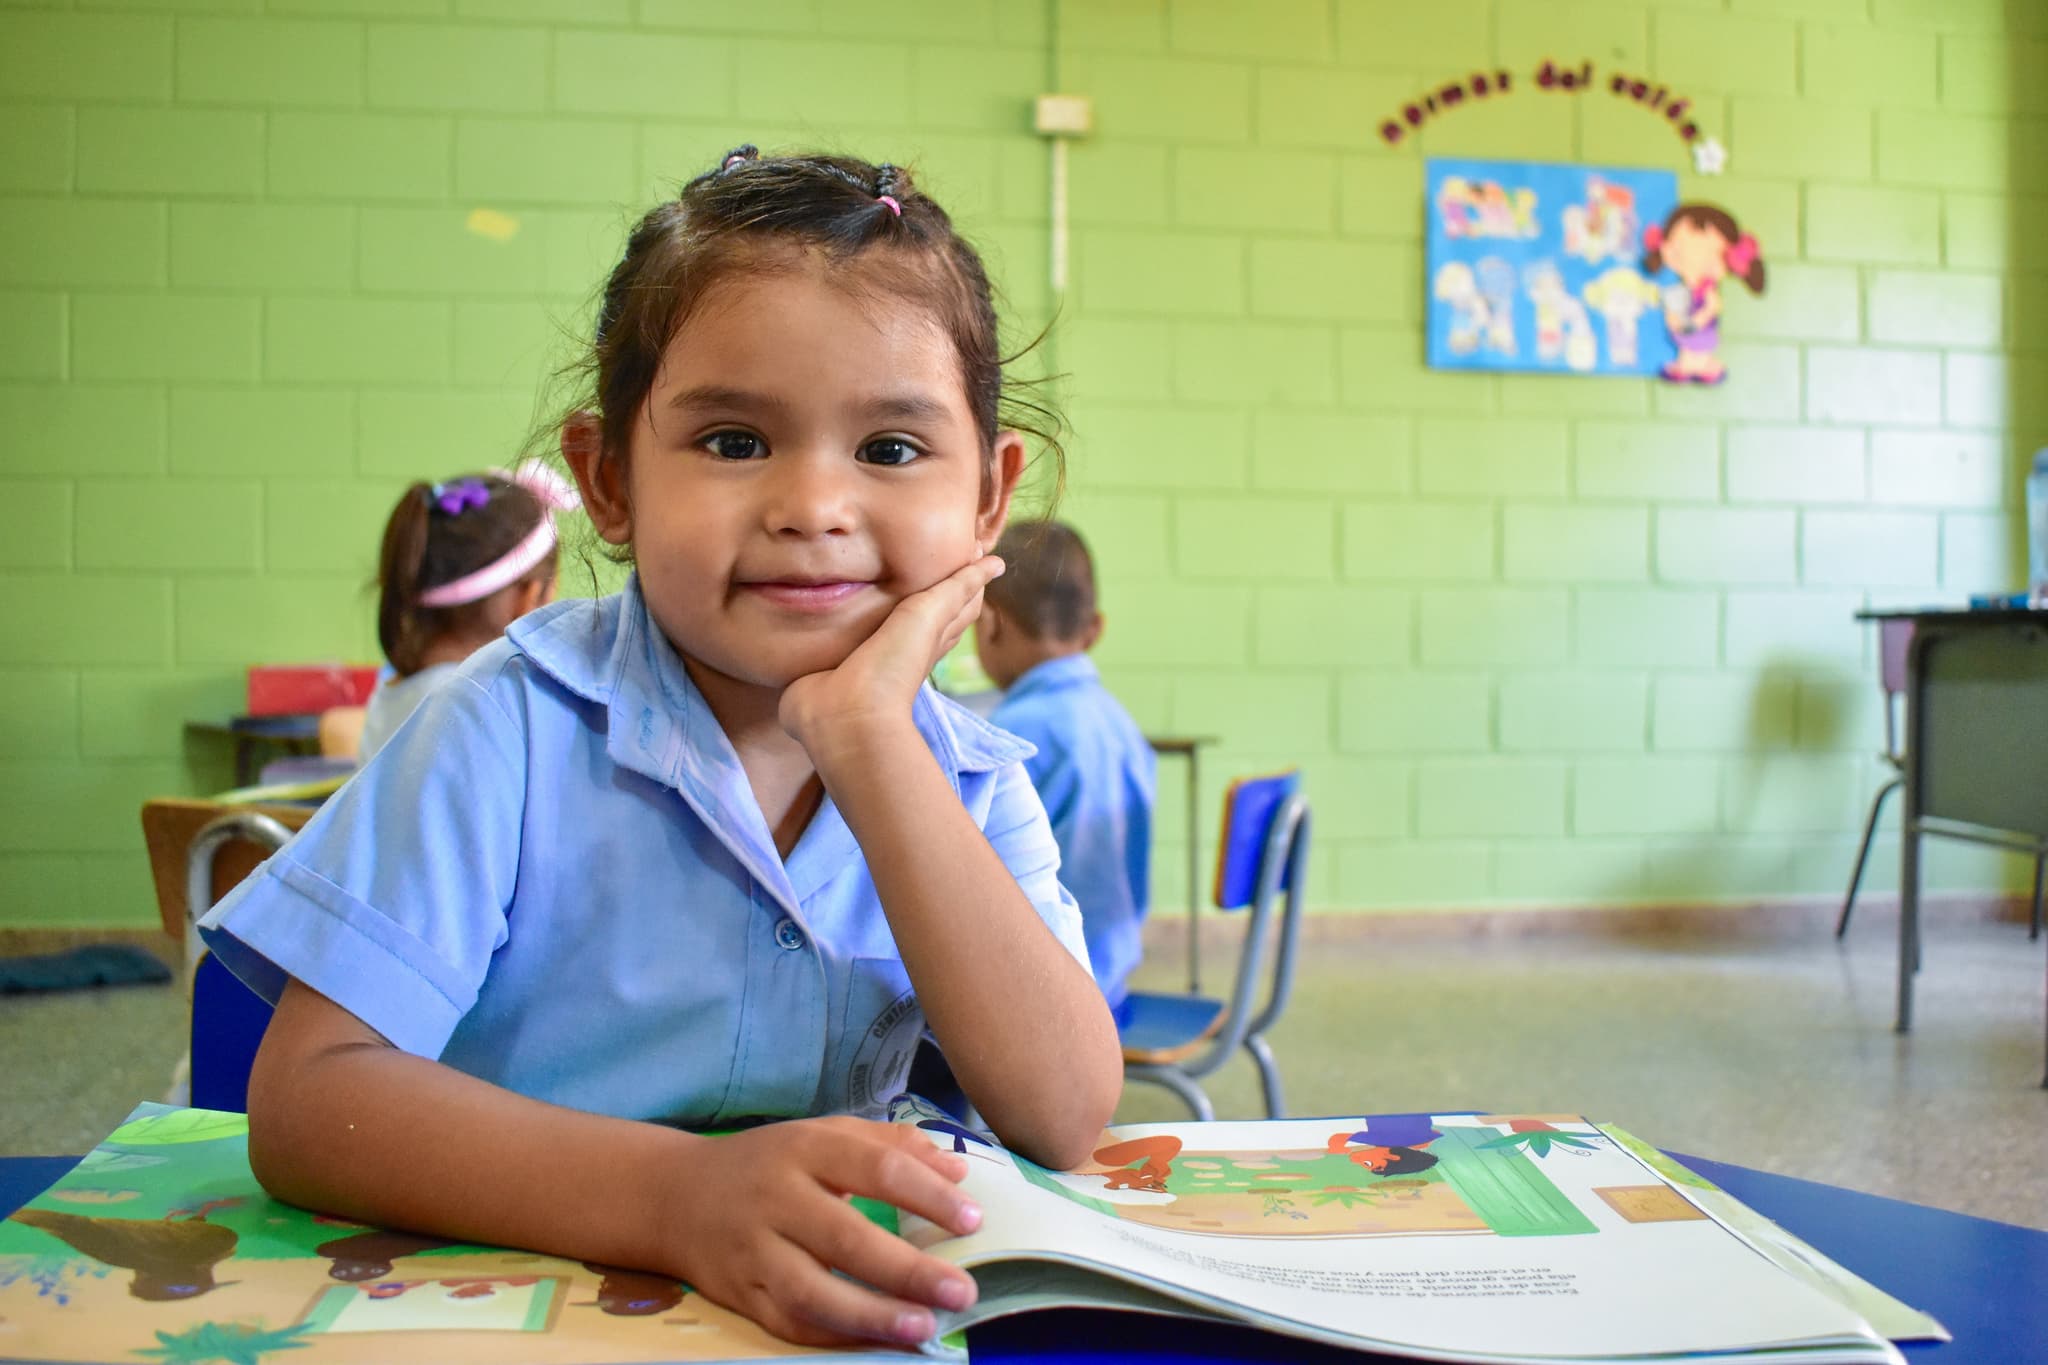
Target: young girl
{"points": [[709, 851], [461, 561], [1701, 244]]}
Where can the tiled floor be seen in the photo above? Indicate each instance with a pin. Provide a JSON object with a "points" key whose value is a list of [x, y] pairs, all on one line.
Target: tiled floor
{"points": [[1773, 1050]]}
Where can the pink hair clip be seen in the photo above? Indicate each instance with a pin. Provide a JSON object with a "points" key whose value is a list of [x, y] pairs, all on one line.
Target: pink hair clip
{"points": [[890, 200], [1743, 254], [1653, 237]]}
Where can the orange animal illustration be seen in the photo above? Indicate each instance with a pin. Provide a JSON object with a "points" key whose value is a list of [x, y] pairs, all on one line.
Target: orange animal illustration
{"points": [[1156, 1154]]}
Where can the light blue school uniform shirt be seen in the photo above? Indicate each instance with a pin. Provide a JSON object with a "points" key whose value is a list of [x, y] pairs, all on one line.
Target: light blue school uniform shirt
{"points": [[555, 877], [1097, 776]]}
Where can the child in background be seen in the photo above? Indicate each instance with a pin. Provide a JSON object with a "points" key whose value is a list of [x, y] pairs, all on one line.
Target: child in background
{"points": [[707, 852], [461, 561], [1094, 769]]}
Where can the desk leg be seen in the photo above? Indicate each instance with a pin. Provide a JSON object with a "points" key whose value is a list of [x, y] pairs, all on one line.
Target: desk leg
{"points": [[1194, 860], [1909, 914]]}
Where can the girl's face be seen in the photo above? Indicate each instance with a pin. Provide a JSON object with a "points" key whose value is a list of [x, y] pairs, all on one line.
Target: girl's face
{"points": [[804, 461], [1695, 253]]}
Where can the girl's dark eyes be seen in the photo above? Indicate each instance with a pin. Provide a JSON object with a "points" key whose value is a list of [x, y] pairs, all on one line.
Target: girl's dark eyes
{"points": [[889, 451], [735, 445], [745, 445]]}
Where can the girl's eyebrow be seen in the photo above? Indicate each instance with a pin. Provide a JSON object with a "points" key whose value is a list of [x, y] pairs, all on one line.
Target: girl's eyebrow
{"points": [[881, 408], [724, 396], [915, 407]]}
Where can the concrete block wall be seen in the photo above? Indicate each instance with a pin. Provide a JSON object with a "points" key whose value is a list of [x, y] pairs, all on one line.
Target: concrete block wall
{"points": [[1536, 640]]}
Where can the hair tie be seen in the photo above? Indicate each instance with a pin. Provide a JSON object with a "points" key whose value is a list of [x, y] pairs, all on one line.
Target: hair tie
{"points": [[1743, 254], [455, 498], [890, 200], [1653, 237]]}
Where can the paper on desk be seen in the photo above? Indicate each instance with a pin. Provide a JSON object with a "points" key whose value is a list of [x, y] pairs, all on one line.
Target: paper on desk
{"points": [[1895, 1320]]}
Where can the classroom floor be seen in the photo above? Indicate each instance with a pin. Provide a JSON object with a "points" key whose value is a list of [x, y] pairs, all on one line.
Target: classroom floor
{"points": [[1770, 1048]]}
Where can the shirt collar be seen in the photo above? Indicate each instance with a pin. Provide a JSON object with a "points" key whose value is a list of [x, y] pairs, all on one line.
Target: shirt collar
{"points": [[1069, 670], [610, 652]]}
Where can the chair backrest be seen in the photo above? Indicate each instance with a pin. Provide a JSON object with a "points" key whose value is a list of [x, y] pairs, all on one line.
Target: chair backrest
{"points": [[1249, 807], [198, 851], [1894, 643], [1261, 866], [228, 1023], [169, 827]]}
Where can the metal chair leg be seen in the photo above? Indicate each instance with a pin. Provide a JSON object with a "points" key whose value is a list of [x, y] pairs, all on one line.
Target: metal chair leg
{"points": [[1175, 1080], [1269, 1075], [1863, 852], [2034, 925]]}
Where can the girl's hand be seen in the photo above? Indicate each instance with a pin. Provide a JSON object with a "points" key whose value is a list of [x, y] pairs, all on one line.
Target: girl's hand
{"points": [[874, 687], [760, 1220]]}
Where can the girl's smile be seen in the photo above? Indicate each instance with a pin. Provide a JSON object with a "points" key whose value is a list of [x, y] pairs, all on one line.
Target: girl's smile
{"points": [[805, 595]]}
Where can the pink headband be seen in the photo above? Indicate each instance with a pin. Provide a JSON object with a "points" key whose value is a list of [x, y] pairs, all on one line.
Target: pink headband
{"points": [[1742, 255], [890, 200], [554, 494]]}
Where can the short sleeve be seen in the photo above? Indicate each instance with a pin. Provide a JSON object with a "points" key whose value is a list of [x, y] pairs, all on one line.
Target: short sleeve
{"points": [[392, 899], [1021, 835]]}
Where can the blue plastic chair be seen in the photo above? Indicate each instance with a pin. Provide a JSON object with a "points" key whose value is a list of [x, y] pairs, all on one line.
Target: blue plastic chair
{"points": [[228, 1019], [1173, 1040]]}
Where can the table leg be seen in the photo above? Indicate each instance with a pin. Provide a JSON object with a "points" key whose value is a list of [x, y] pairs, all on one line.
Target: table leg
{"points": [[1909, 916], [1194, 860]]}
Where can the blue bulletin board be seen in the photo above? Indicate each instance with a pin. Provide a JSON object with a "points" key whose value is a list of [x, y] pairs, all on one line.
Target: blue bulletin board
{"points": [[1539, 267]]}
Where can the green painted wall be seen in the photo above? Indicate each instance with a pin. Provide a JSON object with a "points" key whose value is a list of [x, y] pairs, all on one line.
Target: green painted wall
{"points": [[1536, 639]]}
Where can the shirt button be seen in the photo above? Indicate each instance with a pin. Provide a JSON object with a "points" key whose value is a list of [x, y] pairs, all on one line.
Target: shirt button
{"points": [[788, 935]]}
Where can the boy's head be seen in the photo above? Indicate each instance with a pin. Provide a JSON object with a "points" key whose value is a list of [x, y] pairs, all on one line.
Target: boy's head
{"points": [[1043, 607]]}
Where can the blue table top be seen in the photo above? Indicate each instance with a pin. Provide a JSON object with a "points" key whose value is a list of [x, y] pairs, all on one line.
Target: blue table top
{"points": [[1987, 1282]]}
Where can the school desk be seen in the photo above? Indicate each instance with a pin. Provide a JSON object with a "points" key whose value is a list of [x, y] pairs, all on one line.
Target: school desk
{"points": [[1987, 1282], [254, 736], [1976, 747]]}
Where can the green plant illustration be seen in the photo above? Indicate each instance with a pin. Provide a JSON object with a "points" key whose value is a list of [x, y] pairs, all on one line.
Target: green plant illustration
{"points": [[231, 1343], [1536, 1143], [1277, 1202], [1346, 1199]]}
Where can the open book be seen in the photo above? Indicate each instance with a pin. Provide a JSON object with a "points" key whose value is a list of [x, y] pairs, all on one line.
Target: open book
{"points": [[1453, 1237]]}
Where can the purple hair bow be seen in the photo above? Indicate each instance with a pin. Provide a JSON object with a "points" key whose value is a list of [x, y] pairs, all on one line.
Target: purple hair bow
{"points": [[454, 498]]}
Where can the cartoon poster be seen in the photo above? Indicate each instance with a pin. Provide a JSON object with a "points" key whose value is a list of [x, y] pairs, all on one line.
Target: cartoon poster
{"points": [[1540, 267]]}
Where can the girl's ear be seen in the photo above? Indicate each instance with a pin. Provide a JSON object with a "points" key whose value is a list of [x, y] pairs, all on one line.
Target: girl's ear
{"points": [[601, 481], [995, 509]]}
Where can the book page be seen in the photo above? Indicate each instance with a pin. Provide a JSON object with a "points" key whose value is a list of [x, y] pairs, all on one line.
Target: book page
{"points": [[1891, 1318], [1498, 1237], [161, 1246]]}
